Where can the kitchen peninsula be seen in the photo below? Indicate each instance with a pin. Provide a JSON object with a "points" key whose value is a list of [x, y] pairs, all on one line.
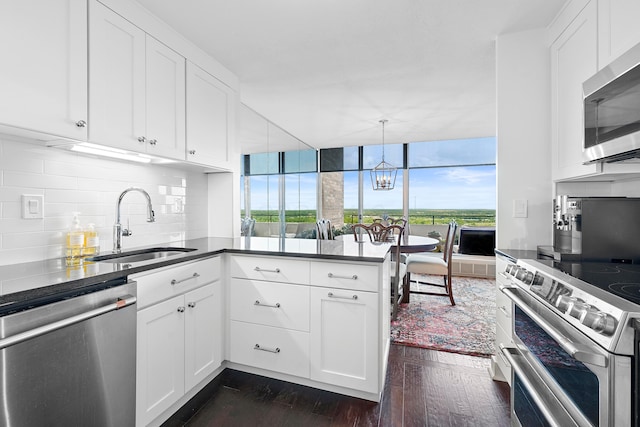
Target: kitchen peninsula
{"points": [[312, 312]]}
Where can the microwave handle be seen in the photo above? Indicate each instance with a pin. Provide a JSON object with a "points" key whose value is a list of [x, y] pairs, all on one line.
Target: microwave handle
{"points": [[575, 350]]}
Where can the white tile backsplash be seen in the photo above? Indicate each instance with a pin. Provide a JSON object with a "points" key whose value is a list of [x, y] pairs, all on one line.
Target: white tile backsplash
{"points": [[71, 182]]}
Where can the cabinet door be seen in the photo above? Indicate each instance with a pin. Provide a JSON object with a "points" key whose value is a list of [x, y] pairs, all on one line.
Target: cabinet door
{"points": [[344, 334], [203, 333], [574, 58], [43, 77], [116, 80], [209, 115], [165, 101], [618, 28], [160, 360]]}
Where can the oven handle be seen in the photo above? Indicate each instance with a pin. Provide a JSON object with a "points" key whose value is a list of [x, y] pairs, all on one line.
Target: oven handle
{"points": [[123, 301], [542, 403], [575, 350]]}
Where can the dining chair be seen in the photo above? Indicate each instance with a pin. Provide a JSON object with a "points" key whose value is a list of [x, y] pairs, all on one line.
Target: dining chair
{"points": [[324, 230], [388, 234], [435, 266]]}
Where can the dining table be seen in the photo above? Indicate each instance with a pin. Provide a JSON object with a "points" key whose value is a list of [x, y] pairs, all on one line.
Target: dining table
{"points": [[411, 243]]}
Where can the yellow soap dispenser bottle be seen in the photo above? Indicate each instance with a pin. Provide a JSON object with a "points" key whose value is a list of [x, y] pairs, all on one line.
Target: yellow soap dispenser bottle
{"points": [[91, 240], [74, 242]]}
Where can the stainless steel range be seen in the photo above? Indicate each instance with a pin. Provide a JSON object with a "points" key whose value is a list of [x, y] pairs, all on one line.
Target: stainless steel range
{"points": [[575, 357]]}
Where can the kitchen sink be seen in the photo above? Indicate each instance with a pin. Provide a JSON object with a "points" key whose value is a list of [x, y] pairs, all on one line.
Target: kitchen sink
{"points": [[140, 255]]}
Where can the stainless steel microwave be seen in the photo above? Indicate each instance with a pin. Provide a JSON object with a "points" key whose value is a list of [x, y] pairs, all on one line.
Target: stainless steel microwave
{"points": [[612, 111]]}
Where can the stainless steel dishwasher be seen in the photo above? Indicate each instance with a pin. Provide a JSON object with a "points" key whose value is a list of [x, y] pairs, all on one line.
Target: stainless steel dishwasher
{"points": [[69, 359]]}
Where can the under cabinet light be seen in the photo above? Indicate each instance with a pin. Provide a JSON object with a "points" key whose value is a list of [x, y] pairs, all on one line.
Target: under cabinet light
{"points": [[98, 150]]}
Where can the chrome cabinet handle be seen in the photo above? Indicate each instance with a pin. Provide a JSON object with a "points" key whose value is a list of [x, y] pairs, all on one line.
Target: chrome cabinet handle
{"points": [[192, 305], [276, 305], [181, 309], [121, 302], [192, 151], [335, 276], [175, 281], [141, 139], [270, 350], [153, 141], [81, 123], [503, 309], [576, 351], [277, 270], [331, 295]]}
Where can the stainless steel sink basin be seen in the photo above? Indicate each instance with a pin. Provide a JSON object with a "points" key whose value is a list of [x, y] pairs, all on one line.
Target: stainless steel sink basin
{"points": [[140, 255]]}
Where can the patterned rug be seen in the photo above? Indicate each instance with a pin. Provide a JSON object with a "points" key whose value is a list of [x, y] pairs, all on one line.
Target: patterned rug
{"points": [[431, 322]]}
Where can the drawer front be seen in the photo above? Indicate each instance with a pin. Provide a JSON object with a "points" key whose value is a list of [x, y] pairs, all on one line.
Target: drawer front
{"points": [[504, 310], [346, 276], [275, 349], [272, 304], [270, 269], [168, 282]]}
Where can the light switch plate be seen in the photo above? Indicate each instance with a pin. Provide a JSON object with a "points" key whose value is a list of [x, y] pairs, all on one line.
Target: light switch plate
{"points": [[32, 206], [520, 208]]}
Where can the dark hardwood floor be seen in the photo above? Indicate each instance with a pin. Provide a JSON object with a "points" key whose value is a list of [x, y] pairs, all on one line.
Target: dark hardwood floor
{"points": [[423, 388]]}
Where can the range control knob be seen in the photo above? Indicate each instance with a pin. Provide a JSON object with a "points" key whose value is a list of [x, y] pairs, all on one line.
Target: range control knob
{"points": [[578, 309], [521, 273], [528, 278], [564, 302], [599, 321], [538, 280]]}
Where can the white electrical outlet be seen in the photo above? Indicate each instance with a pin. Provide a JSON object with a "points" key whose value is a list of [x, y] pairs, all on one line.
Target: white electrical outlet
{"points": [[32, 206], [520, 208]]}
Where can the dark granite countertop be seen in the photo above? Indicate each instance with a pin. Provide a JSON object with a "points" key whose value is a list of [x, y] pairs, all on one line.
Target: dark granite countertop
{"points": [[40, 279], [516, 254]]}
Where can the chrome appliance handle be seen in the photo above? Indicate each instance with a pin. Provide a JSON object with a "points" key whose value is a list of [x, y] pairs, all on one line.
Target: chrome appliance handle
{"points": [[123, 301], [335, 276], [549, 404], [574, 350]]}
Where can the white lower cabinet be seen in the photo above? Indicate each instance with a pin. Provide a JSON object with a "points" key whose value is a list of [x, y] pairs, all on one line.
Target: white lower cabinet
{"points": [[501, 369], [179, 338], [344, 338], [321, 321]]}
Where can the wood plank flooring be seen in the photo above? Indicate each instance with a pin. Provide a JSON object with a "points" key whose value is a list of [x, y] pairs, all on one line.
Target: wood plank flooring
{"points": [[423, 388]]}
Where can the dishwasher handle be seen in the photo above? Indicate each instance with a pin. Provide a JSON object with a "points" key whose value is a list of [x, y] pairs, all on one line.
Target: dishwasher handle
{"points": [[121, 302]]}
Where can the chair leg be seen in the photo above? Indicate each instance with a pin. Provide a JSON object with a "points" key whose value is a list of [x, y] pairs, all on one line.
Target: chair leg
{"points": [[406, 285], [447, 283]]}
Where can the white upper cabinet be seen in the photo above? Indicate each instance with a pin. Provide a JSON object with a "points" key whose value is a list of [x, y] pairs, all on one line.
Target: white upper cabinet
{"points": [[137, 88], [618, 28], [116, 80], [43, 77], [210, 119], [165, 101], [574, 58]]}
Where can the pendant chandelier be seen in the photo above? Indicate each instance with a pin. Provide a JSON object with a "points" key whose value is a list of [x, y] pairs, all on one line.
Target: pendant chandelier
{"points": [[383, 176]]}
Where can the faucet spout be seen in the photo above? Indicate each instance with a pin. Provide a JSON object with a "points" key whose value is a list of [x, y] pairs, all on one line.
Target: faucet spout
{"points": [[118, 232]]}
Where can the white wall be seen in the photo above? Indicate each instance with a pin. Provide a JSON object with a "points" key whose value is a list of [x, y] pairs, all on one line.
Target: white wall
{"points": [[524, 151], [72, 182]]}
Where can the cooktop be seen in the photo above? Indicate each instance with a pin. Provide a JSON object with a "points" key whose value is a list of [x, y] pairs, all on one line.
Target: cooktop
{"points": [[622, 280]]}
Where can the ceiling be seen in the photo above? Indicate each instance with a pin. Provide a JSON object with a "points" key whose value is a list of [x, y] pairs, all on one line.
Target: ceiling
{"points": [[328, 71]]}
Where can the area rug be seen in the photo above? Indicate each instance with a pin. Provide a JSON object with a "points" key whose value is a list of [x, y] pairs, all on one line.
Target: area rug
{"points": [[431, 322]]}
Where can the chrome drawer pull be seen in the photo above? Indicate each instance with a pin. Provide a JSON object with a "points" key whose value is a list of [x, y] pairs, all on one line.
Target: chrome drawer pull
{"points": [[277, 305], [334, 276], [277, 270], [331, 295], [274, 350], [175, 282]]}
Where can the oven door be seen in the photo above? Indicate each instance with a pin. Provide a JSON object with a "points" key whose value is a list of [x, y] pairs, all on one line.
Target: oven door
{"points": [[561, 377]]}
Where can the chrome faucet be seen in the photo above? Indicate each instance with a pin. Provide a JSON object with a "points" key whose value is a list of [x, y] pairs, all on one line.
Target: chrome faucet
{"points": [[118, 232]]}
